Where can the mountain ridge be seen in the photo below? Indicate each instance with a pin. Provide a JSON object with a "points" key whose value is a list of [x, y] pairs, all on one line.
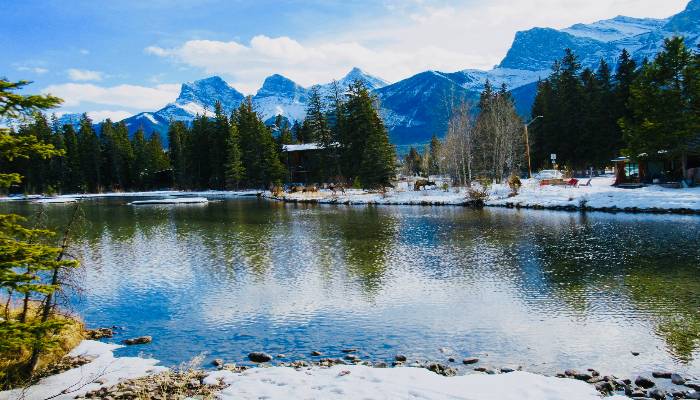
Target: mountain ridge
{"points": [[413, 108]]}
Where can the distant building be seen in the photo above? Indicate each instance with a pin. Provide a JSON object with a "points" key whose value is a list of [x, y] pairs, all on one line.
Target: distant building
{"points": [[302, 159], [659, 167]]}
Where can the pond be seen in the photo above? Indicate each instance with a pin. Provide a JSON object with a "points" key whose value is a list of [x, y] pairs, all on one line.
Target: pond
{"points": [[538, 289]]}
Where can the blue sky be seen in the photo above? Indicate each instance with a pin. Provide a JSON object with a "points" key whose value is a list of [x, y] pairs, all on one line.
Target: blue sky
{"points": [[115, 58]]}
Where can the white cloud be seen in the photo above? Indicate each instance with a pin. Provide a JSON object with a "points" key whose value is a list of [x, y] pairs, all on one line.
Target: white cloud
{"points": [[36, 70], [84, 52], [412, 37], [131, 97], [114, 115], [249, 64], [84, 75]]}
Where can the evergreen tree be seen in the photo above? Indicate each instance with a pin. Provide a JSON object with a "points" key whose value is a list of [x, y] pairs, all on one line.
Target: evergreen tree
{"points": [[624, 77], [90, 155], [140, 168], [284, 133], [28, 265], [662, 120], [259, 153], [157, 162], [72, 176], [235, 172], [200, 147], [316, 122], [123, 157], [220, 132], [365, 149], [412, 162], [297, 133], [318, 131], [434, 153], [580, 112], [177, 152]]}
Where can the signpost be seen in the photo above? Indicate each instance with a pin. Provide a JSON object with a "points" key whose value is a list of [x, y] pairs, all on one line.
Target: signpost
{"points": [[554, 159]]}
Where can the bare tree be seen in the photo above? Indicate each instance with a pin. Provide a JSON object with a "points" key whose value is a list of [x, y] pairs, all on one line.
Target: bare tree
{"points": [[457, 152], [499, 136]]}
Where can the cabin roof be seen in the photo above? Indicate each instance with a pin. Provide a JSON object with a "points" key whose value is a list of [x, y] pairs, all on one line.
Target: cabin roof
{"points": [[290, 148]]}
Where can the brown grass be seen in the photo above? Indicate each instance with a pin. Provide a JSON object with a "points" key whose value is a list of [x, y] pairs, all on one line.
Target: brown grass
{"points": [[13, 369]]}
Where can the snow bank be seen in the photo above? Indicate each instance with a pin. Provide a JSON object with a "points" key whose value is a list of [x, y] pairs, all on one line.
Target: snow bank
{"points": [[395, 197], [57, 200], [601, 195], [172, 200], [361, 382], [74, 197], [104, 370], [338, 382]]}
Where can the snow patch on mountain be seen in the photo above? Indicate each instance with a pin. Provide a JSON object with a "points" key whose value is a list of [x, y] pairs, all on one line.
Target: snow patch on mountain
{"points": [[281, 96], [617, 28], [372, 82], [512, 78]]}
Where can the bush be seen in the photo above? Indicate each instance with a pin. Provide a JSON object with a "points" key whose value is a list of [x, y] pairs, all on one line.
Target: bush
{"points": [[514, 184], [356, 183], [478, 195]]}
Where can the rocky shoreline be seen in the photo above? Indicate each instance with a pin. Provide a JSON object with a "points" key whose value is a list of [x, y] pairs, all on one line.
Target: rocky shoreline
{"points": [[191, 383], [194, 381]]}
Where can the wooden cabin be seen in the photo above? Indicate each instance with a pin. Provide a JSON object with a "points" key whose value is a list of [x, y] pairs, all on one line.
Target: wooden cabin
{"points": [[302, 160]]}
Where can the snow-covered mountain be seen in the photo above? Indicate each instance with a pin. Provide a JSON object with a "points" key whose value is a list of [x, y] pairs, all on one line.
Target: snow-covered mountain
{"points": [[413, 109], [356, 74], [281, 96], [416, 108], [198, 97], [277, 96]]}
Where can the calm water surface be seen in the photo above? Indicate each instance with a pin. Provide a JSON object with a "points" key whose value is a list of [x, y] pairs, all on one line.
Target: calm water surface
{"points": [[545, 290]]}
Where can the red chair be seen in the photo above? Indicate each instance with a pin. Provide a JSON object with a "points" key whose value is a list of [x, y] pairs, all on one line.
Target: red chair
{"points": [[573, 182]]}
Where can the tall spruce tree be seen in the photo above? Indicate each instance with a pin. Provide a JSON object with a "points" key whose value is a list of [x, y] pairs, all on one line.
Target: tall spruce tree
{"points": [[140, 168], [662, 120], [367, 153], [259, 152], [157, 162], [72, 176], [220, 132], [318, 131], [90, 155], [234, 170], [177, 152], [434, 154]]}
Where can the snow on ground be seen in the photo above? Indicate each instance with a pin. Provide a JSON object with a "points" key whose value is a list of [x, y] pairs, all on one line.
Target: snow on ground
{"points": [[58, 200], [361, 382], [338, 382], [601, 195], [104, 370], [155, 193], [357, 196], [171, 200]]}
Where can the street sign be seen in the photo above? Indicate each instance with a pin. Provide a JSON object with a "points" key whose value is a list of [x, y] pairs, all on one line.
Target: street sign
{"points": [[554, 156]]}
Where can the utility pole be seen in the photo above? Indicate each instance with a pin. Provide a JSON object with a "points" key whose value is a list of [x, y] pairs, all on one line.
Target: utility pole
{"points": [[527, 146]]}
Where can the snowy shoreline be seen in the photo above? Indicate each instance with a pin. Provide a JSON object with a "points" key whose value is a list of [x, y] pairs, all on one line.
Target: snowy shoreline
{"points": [[599, 196], [335, 382]]}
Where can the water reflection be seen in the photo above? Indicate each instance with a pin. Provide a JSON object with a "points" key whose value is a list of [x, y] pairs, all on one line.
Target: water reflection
{"points": [[546, 290]]}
